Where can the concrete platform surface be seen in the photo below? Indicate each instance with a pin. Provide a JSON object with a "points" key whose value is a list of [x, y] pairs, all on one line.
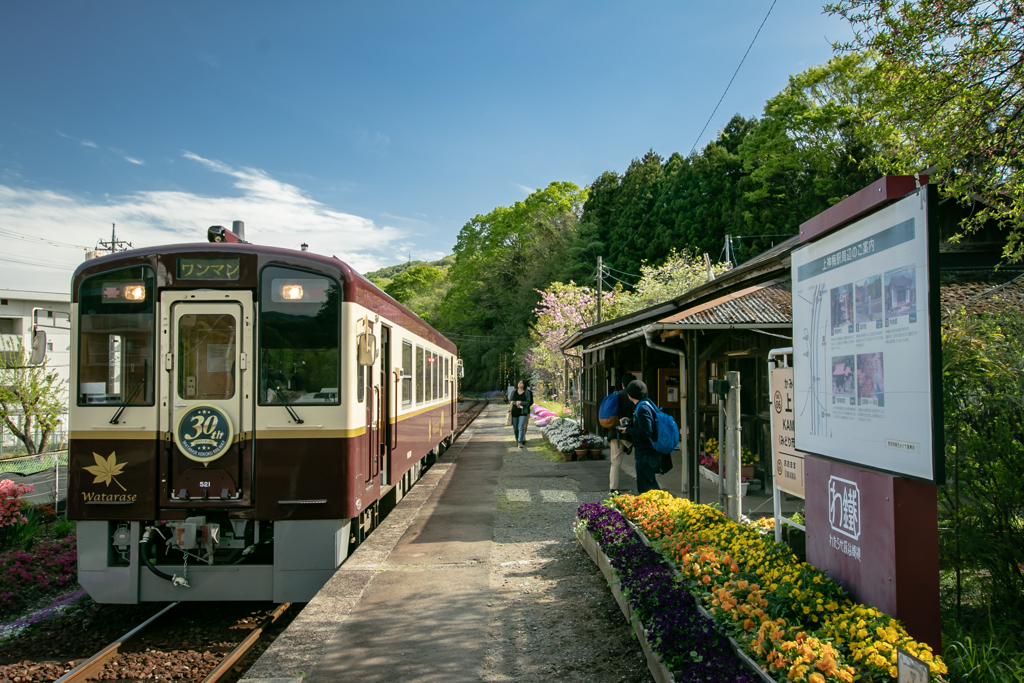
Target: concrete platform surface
{"points": [[428, 561]]}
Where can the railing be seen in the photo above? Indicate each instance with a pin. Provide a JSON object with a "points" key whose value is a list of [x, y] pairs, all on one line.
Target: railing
{"points": [[46, 472]]}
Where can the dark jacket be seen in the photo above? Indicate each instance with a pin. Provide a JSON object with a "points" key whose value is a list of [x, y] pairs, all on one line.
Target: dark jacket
{"points": [[643, 429], [527, 401]]}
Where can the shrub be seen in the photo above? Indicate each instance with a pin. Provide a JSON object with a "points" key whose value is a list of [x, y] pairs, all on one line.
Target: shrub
{"points": [[24, 575]]}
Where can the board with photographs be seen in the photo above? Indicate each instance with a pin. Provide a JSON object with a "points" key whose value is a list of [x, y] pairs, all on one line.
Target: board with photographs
{"points": [[862, 342]]}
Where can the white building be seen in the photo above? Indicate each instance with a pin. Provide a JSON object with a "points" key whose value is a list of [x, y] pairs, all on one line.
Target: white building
{"points": [[21, 315]]}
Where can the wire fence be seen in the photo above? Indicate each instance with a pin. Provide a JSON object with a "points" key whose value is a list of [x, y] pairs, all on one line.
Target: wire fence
{"points": [[47, 473]]}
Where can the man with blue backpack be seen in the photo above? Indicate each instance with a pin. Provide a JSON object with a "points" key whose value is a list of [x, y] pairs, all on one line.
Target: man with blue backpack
{"points": [[654, 435]]}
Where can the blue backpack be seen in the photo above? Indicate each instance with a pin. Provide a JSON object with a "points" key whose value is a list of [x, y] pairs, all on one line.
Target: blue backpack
{"points": [[608, 413], [668, 431]]}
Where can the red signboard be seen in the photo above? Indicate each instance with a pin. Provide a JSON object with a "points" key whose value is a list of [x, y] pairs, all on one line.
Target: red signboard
{"points": [[877, 535]]}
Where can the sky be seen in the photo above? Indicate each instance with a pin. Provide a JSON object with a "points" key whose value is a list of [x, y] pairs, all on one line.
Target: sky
{"points": [[371, 131]]}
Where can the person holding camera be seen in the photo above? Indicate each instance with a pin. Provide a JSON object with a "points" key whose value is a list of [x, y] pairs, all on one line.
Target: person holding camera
{"points": [[642, 430], [617, 442]]}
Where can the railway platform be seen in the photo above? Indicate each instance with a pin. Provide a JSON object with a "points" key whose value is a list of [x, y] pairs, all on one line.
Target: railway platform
{"points": [[414, 601]]}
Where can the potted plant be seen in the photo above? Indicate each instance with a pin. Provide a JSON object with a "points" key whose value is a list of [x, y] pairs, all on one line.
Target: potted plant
{"points": [[596, 447], [747, 462]]}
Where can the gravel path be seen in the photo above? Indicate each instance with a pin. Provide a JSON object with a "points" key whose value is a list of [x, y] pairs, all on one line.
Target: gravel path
{"points": [[550, 614]]}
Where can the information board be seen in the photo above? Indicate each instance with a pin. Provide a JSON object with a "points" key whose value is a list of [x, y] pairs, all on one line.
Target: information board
{"points": [[862, 342], [788, 463]]}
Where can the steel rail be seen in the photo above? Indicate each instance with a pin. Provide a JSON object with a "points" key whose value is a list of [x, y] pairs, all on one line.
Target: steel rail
{"points": [[94, 664], [224, 666]]}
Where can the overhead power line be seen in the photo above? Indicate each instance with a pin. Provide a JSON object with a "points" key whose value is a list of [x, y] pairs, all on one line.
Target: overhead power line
{"points": [[733, 77], [38, 264], [41, 240]]}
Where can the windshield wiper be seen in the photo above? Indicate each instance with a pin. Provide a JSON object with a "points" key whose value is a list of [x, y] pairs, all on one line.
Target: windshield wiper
{"points": [[138, 386], [287, 406]]}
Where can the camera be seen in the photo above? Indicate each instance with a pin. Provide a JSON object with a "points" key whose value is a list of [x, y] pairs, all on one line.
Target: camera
{"points": [[623, 421]]}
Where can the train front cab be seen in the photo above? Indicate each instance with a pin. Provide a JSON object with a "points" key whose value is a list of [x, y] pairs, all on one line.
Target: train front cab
{"points": [[254, 469]]}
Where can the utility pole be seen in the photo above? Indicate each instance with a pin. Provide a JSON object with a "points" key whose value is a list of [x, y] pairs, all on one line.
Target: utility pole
{"points": [[732, 448], [114, 245], [600, 285], [728, 249]]}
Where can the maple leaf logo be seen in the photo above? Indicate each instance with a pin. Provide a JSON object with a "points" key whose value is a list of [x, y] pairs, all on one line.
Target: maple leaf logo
{"points": [[106, 469]]}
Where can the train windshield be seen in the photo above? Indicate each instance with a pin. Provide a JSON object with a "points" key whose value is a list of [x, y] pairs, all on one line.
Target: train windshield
{"points": [[116, 334], [299, 338]]}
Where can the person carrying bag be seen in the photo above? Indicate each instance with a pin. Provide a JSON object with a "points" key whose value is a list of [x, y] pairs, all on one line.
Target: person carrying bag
{"points": [[519, 412]]}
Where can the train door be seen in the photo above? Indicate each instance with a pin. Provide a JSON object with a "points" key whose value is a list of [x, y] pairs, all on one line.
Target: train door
{"points": [[206, 397], [386, 413], [369, 377]]}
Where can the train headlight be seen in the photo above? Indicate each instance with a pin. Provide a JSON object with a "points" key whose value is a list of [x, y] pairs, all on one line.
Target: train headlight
{"points": [[134, 293], [291, 292]]}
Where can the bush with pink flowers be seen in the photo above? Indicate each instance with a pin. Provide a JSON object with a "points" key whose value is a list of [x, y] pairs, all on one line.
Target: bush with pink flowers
{"points": [[11, 498], [27, 575]]}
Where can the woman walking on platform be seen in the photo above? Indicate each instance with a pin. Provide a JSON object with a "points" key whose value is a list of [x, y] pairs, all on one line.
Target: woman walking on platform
{"points": [[521, 399]]}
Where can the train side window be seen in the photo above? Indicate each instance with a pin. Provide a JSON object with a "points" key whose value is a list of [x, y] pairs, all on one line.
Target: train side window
{"points": [[446, 368], [419, 374], [116, 337], [406, 373], [360, 381], [299, 338], [437, 375]]}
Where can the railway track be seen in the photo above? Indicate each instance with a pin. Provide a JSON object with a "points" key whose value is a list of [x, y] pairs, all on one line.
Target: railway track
{"points": [[467, 416], [166, 645], [196, 642]]}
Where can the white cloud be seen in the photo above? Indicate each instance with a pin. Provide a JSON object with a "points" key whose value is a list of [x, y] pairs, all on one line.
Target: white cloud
{"points": [[133, 160], [275, 214], [525, 190], [83, 143], [375, 142]]}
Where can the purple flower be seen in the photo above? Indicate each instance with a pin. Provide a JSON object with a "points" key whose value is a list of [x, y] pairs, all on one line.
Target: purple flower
{"points": [[687, 643]]}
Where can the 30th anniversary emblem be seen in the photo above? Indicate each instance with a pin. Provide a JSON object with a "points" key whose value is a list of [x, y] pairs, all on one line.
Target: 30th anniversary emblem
{"points": [[204, 432]]}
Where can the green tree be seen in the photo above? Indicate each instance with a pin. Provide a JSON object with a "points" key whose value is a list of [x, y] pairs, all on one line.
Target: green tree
{"points": [[678, 274], [501, 259], [812, 148], [949, 94], [414, 281], [32, 397]]}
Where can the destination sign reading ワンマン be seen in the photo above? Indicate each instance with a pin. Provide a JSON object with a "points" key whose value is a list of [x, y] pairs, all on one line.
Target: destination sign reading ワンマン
{"points": [[207, 268]]}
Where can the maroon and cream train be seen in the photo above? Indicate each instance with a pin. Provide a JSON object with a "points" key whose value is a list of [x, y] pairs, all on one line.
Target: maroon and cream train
{"points": [[239, 417]]}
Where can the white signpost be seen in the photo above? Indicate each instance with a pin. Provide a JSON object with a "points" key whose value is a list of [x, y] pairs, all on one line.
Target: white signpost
{"points": [[862, 361]]}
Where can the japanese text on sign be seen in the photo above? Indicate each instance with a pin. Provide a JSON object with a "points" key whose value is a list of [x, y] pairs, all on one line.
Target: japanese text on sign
{"points": [[208, 269], [789, 465]]}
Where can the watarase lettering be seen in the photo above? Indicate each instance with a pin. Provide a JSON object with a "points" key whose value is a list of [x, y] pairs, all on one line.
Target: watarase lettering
{"points": [[109, 497]]}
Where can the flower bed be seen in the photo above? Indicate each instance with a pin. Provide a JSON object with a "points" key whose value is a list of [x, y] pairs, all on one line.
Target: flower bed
{"points": [[682, 639], [789, 616], [28, 575], [566, 435]]}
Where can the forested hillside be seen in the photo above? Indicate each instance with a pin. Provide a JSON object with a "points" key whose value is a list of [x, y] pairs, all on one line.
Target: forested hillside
{"points": [[758, 180]]}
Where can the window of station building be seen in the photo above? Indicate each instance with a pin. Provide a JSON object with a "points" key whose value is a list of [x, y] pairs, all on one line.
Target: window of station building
{"points": [[420, 370], [407, 373], [299, 338], [116, 337]]}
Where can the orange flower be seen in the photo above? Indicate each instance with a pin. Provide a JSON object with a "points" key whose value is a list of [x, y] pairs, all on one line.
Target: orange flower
{"points": [[706, 579]]}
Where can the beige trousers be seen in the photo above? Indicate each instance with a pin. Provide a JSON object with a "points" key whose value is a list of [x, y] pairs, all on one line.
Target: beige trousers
{"points": [[618, 450]]}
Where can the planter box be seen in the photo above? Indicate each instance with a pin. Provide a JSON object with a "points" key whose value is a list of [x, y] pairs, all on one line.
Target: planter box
{"points": [[601, 560], [658, 670], [709, 475]]}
